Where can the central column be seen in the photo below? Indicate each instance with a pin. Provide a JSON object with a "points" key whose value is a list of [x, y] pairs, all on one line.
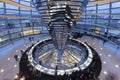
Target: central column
{"points": [[60, 26], [59, 17]]}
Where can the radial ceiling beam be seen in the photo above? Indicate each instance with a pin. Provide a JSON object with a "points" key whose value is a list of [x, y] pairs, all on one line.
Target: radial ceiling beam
{"points": [[101, 2], [28, 7], [17, 4], [18, 17], [116, 15]]}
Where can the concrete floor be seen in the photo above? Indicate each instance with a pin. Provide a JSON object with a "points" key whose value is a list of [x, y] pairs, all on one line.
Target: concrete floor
{"points": [[110, 56]]}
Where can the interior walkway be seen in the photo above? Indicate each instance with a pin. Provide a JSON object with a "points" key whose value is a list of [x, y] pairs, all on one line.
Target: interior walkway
{"points": [[108, 52]]}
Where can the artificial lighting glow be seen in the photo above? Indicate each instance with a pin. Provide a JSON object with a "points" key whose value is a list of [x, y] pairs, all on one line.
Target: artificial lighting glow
{"points": [[16, 50], [18, 57], [57, 4], [101, 48], [100, 54], [65, 3], [97, 30], [28, 32], [24, 45], [15, 65], [78, 9], [109, 55], [2, 70], [0, 40], [22, 78], [8, 59], [16, 76], [117, 66], [104, 62], [105, 72]]}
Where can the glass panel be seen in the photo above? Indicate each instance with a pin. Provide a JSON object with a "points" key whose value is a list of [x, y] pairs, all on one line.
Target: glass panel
{"points": [[91, 8], [35, 13], [3, 38], [115, 23], [115, 17], [25, 3], [104, 6], [102, 21], [103, 11], [116, 11], [16, 1], [1, 5], [1, 11], [116, 4], [23, 9], [2, 24], [16, 35], [37, 30], [25, 12], [8, 6], [12, 12]]}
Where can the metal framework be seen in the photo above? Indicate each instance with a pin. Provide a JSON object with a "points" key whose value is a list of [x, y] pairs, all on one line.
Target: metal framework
{"points": [[60, 16]]}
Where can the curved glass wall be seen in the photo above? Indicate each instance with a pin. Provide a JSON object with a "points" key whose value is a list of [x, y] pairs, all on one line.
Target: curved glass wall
{"points": [[16, 22], [102, 19], [98, 18]]}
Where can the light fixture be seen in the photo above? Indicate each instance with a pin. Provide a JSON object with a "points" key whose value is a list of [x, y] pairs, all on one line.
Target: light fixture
{"points": [[100, 54], [109, 55], [104, 62], [57, 4], [117, 66], [0, 40], [15, 65], [101, 48], [16, 76], [19, 57], [16, 50], [8, 59], [2, 70], [65, 3], [105, 72], [22, 78]]}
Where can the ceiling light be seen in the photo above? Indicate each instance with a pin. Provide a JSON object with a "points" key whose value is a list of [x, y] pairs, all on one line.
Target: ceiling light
{"points": [[109, 55], [100, 54], [22, 78], [101, 48], [15, 65], [117, 66], [104, 62], [8, 59], [2, 70], [18, 57], [16, 50], [16, 76], [65, 3], [105, 72]]}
